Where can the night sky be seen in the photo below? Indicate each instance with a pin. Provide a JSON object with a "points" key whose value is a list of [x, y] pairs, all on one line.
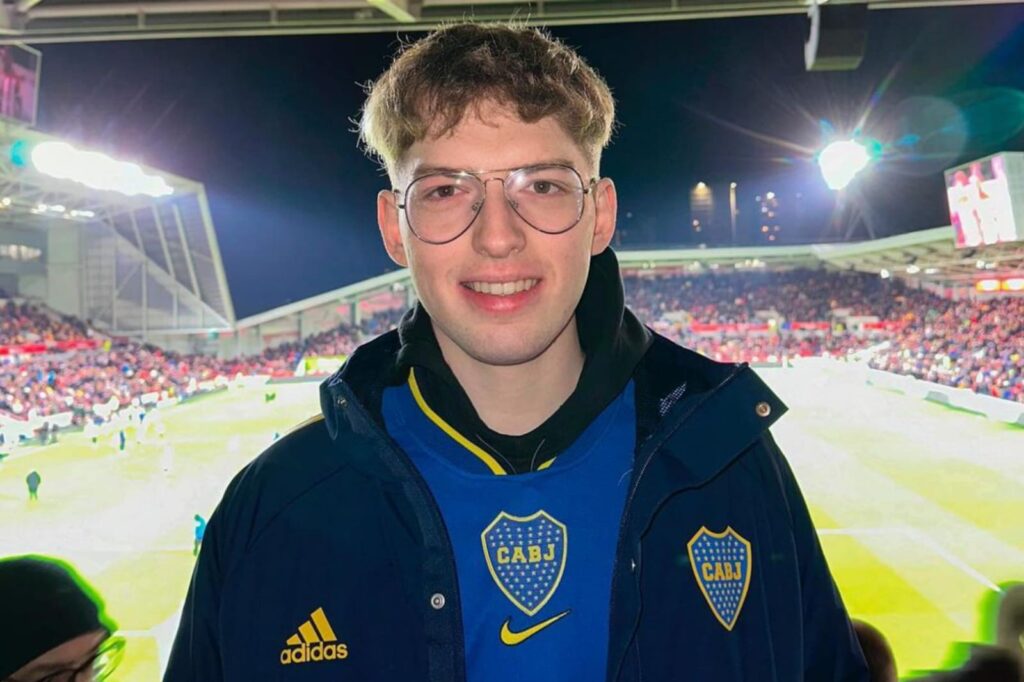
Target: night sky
{"points": [[266, 124]]}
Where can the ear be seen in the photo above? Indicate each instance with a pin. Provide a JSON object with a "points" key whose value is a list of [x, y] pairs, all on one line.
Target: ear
{"points": [[390, 227], [606, 206]]}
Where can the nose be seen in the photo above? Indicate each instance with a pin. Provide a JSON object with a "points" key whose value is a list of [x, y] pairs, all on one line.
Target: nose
{"points": [[499, 231]]}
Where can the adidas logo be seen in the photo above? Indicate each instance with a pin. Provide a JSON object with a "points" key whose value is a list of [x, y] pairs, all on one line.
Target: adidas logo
{"points": [[315, 641]]}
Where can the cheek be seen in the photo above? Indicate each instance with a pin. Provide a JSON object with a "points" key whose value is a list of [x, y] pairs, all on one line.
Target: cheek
{"points": [[429, 272], [574, 263]]}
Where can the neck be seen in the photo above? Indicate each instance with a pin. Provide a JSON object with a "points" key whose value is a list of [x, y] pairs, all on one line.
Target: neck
{"points": [[516, 399]]}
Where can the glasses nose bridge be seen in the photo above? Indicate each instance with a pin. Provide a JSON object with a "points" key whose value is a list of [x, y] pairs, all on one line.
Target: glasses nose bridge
{"points": [[504, 189]]}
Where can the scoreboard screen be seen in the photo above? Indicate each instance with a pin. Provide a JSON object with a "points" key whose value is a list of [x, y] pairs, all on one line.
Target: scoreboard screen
{"points": [[19, 83], [986, 200]]}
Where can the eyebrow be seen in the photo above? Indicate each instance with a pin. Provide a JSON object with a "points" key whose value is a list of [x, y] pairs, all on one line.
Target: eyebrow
{"points": [[421, 170]]}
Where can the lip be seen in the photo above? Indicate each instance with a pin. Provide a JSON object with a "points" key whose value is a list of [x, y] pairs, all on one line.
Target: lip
{"points": [[496, 279], [504, 305]]}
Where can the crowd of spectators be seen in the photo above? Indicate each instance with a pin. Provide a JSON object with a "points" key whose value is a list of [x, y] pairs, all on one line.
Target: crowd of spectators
{"points": [[24, 323], [797, 295], [46, 384], [978, 345], [122, 370], [972, 344]]}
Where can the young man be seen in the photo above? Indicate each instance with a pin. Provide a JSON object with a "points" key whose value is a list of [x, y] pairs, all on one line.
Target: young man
{"points": [[522, 482]]}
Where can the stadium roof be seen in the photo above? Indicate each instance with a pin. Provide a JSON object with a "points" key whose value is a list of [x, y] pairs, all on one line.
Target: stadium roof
{"points": [[49, 21], [146, 264], [925, 255], [347, 294], [928, 255]]}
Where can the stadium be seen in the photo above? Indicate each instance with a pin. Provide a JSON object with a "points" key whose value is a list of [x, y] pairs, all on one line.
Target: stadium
{"points": [[128, 384]]}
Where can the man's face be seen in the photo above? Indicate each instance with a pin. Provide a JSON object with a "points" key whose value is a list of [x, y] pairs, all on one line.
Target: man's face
{"points": [[499, 247], [68, 656]]}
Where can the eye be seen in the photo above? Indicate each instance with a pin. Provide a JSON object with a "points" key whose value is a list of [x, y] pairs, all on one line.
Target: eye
{"points": [[442, 192], [439, 189], [548, 187]]}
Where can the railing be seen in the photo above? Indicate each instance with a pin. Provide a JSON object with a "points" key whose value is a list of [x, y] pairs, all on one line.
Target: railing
{"points": [[48, 347]]}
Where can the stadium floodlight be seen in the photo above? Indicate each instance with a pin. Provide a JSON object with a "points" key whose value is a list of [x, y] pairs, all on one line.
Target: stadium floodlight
{"points": [[840, 162], [93, 169]]}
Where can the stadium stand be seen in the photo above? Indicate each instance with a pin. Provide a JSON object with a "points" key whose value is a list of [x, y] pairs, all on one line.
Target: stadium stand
{"points": [[51, 364], [965, 344], [22, 323]]}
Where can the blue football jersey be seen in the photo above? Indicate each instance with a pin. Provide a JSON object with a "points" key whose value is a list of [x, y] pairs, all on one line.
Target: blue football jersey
{"points": [[534, 552]]}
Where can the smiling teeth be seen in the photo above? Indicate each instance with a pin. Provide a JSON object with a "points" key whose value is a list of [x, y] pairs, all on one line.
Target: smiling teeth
{"points": [[502, 288]]}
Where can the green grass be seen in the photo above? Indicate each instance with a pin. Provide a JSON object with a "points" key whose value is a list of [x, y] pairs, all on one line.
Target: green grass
{"points": [[126, 525], [918, 505]]}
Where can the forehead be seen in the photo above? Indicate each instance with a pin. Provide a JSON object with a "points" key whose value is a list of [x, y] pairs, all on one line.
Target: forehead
{"points": [[67, 654], [491, 138]]}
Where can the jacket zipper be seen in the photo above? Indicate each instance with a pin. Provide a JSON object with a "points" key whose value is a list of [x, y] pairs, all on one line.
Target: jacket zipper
{"points": [[434, 511], [635, 554]]}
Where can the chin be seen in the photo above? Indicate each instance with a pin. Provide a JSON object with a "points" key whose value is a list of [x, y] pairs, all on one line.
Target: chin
{"points": [[502, 345], [504, 354]]}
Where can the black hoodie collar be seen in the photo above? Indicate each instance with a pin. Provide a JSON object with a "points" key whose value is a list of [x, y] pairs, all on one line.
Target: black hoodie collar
{"points": [[611, 337]]}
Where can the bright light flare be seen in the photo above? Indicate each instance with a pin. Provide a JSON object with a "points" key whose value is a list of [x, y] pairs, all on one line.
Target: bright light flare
{"points": [[840, 162], [95, 170]]}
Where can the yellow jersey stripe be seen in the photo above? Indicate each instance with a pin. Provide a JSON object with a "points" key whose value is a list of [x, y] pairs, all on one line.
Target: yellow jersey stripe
{"points": [[479, 452], [294, 641], [320, 620], [546, 464], [315, 418], [308, 633]]}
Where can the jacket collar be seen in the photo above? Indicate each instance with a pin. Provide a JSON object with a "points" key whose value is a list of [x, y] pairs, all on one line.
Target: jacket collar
{"points": [[704, 413], [611, 337], [698, 413]]}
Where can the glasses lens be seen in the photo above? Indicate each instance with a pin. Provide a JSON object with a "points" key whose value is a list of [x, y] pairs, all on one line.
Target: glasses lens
{"points": [[107, 660], [441, 206], [550, 198]]}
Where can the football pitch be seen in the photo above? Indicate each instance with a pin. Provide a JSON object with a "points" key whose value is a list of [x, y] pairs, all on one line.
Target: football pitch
{"points": [[919, 506]]}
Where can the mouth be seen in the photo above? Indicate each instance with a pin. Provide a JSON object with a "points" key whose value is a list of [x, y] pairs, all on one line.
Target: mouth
{"points": [[508, 288]]}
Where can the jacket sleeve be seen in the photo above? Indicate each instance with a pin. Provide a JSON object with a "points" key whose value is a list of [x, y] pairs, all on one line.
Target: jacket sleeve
{"points": [[196, 653], [831, 650]]}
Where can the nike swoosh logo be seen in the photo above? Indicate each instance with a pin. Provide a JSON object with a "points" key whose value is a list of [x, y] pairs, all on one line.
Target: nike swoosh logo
{"points": [[513, 638]]}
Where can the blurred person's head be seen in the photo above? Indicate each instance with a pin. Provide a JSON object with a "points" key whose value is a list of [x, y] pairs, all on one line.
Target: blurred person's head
{"points": [[1010, 620], [986, 664], [877, 652], [56, 628]]}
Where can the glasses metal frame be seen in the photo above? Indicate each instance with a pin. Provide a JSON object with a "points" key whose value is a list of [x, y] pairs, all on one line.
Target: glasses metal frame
{"points": [[111, 645], [586, 188]]}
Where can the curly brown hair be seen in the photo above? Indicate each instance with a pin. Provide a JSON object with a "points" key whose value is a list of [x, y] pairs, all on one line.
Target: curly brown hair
{"points": [[432, 82]]}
